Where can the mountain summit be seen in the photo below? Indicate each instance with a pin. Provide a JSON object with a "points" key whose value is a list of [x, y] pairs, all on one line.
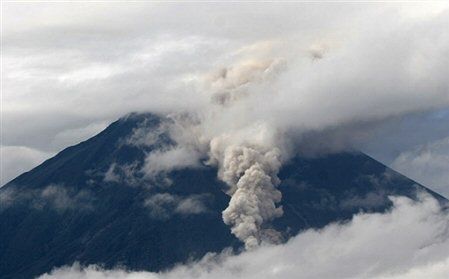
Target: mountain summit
{"points": [[92, 204]]}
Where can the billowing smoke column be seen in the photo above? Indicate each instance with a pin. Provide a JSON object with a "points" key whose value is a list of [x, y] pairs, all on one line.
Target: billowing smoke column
{"points": [[249, 161], [248, 157], [248, 151], [252, 174], [248, 108]]}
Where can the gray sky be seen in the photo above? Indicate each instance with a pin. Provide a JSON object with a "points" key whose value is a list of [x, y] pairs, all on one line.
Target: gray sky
{"points": [[69, 69]]}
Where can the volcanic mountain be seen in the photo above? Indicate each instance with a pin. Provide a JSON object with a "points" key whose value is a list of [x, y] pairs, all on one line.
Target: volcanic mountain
{"points": [[92, 204]]}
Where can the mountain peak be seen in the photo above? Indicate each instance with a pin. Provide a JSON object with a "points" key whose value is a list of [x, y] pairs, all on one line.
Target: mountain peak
{"points": [[91, 203]]}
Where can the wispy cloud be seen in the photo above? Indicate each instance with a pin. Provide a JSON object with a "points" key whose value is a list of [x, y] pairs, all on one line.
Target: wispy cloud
{"points": [[164, 205], [55, 197]]}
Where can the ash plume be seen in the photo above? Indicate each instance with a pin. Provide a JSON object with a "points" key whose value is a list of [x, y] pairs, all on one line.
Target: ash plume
{"points": [[251, 172], [247, 152], [248, 158]]}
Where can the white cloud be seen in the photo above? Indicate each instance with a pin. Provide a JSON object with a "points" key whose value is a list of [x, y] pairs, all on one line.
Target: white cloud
{"points": [[193, 204], [164, 205], [427, 164], [110, 175], [59, 198], [171, 159], [409, 241]]}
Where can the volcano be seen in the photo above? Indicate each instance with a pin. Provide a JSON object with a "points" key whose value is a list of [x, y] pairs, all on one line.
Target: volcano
{"points": [[91, 204]]}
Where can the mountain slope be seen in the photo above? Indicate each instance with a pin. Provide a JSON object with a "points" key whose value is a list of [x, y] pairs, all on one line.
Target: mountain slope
{"points": [[90, 204]]}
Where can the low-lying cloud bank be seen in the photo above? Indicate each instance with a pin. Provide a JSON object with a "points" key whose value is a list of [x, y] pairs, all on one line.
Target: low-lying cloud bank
{"points": [[410, 241]]}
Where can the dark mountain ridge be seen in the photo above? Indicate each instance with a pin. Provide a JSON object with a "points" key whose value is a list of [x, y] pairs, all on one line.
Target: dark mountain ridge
{"points": [[91, 204]]}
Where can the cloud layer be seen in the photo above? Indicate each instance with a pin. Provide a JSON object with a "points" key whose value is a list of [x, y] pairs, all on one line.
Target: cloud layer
{"points": [[366, 62], [410, 241]]}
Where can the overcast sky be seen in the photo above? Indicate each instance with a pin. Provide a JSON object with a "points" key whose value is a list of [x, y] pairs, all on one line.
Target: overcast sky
{"points": [[69, 69]]}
